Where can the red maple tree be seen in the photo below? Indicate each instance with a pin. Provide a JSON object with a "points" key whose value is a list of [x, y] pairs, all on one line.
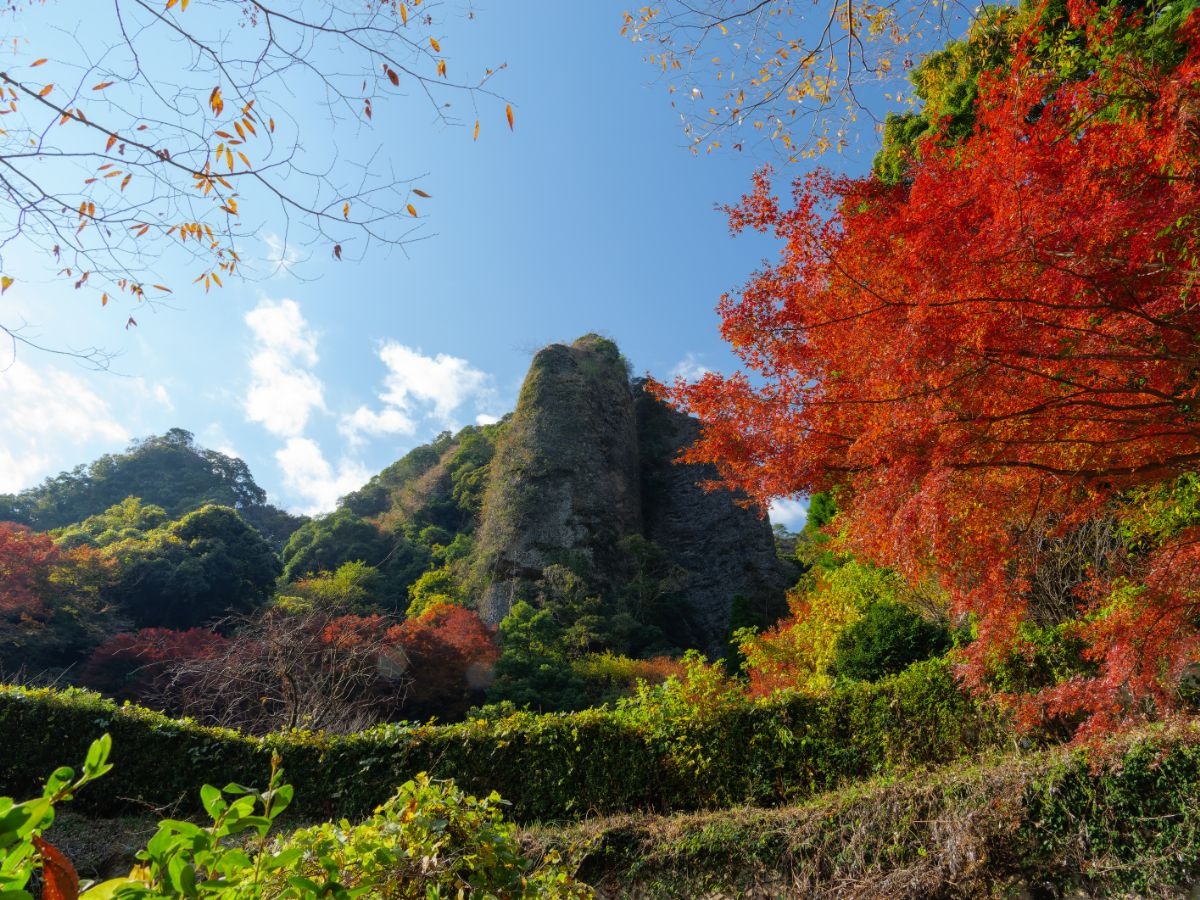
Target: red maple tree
{"points": [[1005, 340], [451, 653], [133, 665], [26, 561]]}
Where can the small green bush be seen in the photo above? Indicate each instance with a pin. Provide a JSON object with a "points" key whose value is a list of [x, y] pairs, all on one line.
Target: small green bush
{"points": [[888, 639]]}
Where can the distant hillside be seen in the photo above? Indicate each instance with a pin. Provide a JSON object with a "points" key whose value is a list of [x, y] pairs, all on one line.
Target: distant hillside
{"points": [[168, 470]]}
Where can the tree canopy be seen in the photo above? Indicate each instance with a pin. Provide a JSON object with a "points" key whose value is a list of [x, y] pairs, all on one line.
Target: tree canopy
{"points": [[797, 76], [998, 341], [170, 137]]}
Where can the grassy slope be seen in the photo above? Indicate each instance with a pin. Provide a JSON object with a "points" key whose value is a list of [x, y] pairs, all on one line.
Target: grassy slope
{"points": [[1121, 822]]}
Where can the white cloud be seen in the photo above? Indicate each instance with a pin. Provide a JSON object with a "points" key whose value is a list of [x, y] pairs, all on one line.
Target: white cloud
{"points": [[792, 514], [45, 417], [307, 474], [283, 392], [367, 421], [164, 398], [689, 368], [280, 256], [417, 387], [485, 419], [214, 436]]}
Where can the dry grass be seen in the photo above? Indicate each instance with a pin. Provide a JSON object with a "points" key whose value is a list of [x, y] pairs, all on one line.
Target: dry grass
{"points": [[961, 831]]}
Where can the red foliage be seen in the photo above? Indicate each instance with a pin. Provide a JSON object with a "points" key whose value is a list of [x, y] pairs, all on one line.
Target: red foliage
{"points": [[26, 561], [130, 666], [451, 653], [349, 632], [1010, 336]]}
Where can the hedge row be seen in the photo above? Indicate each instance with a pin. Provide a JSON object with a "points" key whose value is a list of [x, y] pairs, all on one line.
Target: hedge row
{"points": [[550, 767]]}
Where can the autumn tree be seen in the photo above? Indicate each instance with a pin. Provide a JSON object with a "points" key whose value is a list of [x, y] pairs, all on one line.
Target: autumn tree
{"points": [[451, 653], [136, 666], [795, 75], [1001, 339], [152, 137], [51, 611]]}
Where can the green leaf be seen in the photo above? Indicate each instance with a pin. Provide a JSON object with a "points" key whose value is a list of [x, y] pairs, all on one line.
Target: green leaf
{"points": [[97, 756], [212, 801]]}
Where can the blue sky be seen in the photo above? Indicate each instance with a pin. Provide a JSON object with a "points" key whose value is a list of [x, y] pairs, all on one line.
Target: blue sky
{"points": [[589, 216]]}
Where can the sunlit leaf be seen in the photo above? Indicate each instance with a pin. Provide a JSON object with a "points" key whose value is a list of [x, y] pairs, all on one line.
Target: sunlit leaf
{"points": [[508, 113]]}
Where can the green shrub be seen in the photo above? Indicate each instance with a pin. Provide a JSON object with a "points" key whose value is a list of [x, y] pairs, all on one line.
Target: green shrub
{"points": [[888, 639], [428, 840], [554, 766]]}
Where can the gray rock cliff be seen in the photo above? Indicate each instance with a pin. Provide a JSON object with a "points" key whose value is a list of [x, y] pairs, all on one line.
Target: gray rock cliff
{"points": [[588, 461]]}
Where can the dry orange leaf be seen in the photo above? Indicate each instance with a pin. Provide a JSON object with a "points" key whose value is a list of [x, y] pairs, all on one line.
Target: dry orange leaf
{"points": [[509, 115], [412, 210], [476, 131], [437, 48], [46, 90], [5, 283], [101, 86], [420, 193], [38, 62]]}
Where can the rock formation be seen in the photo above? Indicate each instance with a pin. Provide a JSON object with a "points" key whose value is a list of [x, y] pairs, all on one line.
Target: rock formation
{"points": [[586, 462]]}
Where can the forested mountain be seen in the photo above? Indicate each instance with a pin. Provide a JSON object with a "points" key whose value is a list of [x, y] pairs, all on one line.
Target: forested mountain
{"points": [[168, 470]]}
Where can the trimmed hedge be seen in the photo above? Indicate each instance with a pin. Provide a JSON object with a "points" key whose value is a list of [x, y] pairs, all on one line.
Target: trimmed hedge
{"points": [[557, 766]]}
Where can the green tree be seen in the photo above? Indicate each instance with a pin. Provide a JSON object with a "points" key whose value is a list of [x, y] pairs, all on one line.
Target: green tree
{"points": [[533, 669], [326, 543], [888, 639], [170, 471], [129, 519], [352, 588], [437, 587], [191, 571]]}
